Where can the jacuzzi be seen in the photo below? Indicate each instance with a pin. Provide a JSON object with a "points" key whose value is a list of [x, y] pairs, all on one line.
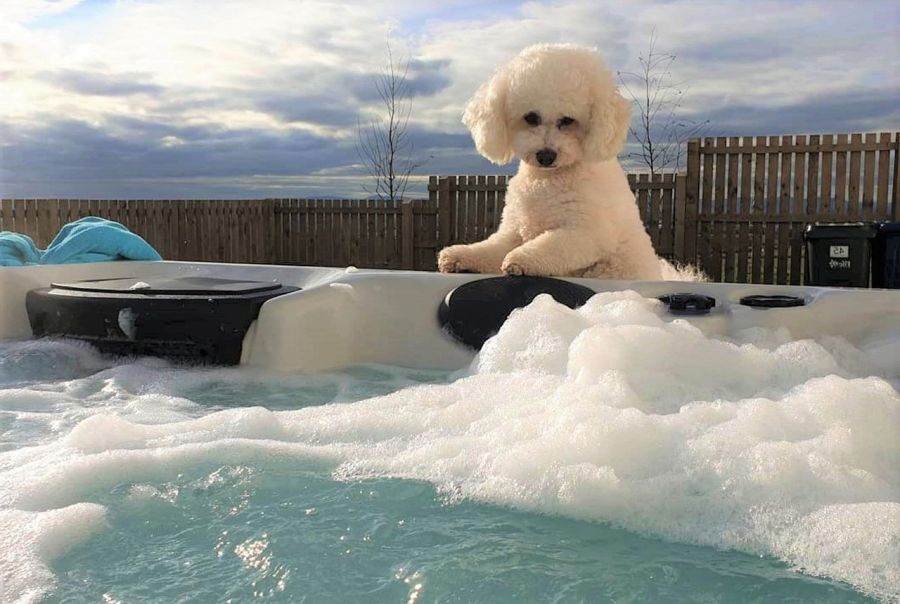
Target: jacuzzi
{"points": [[645, 441], [330, 318]]}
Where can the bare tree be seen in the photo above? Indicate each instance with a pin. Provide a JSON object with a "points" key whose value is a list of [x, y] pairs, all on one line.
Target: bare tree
{"points": [[383, 144], [661, 133]]}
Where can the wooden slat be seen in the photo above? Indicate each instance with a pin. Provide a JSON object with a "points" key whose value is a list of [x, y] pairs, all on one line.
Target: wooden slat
{"points": [[490, 206], [221, 231], [31, 218], [289, 238], [339, 227], [355, 232], [757, 208], [481, 209], [641, 195], [317, 208], [678, 252], [784, 205], [380, 260], [706, 183], [812, 180], [667, 230], [502, 183], [444, 212], [391, 247], [826, 195], [370, 234], [691, 199], [729, 230], [743, 235], [42, 213], [797, 206], [770, 207], [297, 223], [884, 167], [656, 212], [20, 225], [854, 205], [6, 215], [895, 194], [407, 233], [716, 232], [432, 223], [460, 205], [471, 223], [841, 197], [868, 191]]}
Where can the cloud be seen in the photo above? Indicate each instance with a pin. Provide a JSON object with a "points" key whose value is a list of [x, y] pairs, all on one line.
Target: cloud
{"points": [[104, 84], [23, 11], [315, 109], [156, 95]]}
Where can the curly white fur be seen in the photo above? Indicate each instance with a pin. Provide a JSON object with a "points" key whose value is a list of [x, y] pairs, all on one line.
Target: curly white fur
{"points": [[575, 216]]}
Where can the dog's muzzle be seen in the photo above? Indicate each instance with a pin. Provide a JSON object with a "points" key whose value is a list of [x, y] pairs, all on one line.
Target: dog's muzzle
{"points": [[545, 157]]}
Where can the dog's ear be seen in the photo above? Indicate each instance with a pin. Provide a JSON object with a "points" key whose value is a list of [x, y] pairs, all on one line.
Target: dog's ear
{"points": [[608, 127], [485, 117]]}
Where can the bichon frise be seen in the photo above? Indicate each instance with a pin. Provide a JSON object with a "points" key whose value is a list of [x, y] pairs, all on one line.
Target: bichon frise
{"points": [[569, 210]]}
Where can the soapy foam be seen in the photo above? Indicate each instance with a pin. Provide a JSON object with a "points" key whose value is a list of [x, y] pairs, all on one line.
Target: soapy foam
{"points": [[29, 541], [610, 413]]}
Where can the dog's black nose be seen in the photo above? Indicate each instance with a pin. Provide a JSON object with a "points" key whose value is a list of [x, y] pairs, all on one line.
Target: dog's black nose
{"points": [[546, 157]]}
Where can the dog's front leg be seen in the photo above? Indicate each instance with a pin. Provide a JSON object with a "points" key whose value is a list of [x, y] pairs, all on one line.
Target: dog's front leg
{"points": [[556, 252], [482, 257]]}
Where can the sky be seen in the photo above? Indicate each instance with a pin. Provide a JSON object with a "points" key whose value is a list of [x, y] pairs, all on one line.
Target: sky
{"points": [[250, 99]]}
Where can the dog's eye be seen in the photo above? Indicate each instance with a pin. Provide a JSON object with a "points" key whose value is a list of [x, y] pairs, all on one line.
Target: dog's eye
{"points": [[532, 119], [565, 121]]}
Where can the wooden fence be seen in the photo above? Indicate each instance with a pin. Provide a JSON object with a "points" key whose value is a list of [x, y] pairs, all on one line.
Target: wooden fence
{"points": [[738, 212], [320, 232], [749, 199]]}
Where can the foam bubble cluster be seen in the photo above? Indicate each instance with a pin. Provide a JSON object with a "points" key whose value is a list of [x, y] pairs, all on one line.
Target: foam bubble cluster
{"points": [[612, 412]]}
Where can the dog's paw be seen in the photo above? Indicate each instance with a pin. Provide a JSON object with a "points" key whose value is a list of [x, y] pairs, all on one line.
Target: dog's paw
{"points": [[512, 269], [517, 264], [453, 260]]}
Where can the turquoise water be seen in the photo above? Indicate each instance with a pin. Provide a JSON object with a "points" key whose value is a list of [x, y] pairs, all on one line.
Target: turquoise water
{"points": [[568, 464], [285, 534]]}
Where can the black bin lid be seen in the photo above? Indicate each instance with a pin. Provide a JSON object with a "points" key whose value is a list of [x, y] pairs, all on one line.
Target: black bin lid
{"points": [[889, 227], [177, 286], [839, 230]]}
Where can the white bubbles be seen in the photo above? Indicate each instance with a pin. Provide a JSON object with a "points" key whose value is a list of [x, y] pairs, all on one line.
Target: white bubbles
{"points": [[612, 413], [29, 541]]}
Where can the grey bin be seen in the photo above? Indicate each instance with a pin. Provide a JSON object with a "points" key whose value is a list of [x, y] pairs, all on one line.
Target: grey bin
{"points": [[839, 254], [886, 256]]}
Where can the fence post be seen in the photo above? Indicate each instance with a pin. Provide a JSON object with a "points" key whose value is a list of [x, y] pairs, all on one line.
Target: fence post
{"points": [[678, 251], [896, 202], [407, 232], [691, 199], [443, 209], [271, 232]]}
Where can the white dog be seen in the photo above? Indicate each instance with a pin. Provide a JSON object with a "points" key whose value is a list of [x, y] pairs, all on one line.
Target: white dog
{"points": [[569, 210]]}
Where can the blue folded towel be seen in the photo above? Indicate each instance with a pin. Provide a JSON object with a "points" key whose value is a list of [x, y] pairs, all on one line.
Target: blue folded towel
{"points": [[94, 239], [16, 249], [89, 239]]}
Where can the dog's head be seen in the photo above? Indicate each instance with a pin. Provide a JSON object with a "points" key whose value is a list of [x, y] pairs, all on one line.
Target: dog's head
{"points": [[551, 106]]}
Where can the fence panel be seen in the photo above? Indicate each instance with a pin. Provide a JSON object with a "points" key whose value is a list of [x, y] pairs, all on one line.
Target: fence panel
{"points": [[752, 215], [738, 212]]}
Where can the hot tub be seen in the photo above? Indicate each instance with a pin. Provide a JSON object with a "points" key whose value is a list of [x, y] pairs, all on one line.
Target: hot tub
{"points": [[659, 442]]}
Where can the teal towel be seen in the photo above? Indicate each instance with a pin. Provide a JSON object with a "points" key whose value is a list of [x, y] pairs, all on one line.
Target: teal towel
{"points": [[94, 239], [89, 239], [17, 250]]}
